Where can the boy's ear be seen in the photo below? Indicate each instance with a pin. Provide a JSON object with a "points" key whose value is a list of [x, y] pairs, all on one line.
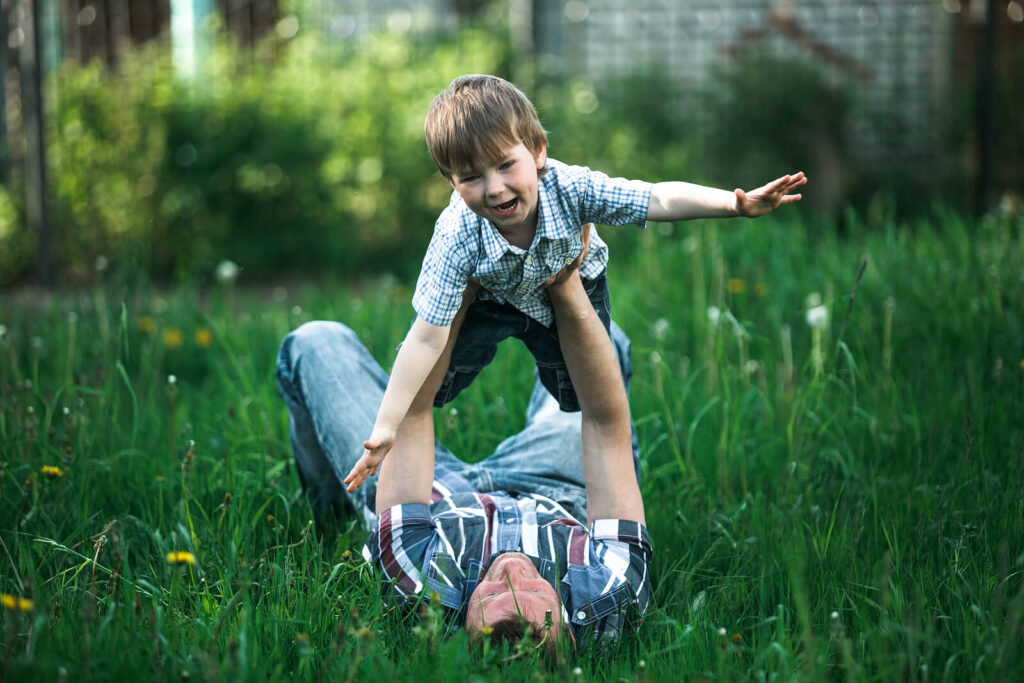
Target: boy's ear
{"points": [[542, 156]]}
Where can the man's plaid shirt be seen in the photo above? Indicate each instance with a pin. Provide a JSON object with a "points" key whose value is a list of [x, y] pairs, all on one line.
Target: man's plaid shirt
{"points": [[465, 245], [601, 573]]}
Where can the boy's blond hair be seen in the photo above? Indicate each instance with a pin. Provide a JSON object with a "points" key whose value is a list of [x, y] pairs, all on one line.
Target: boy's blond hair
{"points": [[477, 118]]}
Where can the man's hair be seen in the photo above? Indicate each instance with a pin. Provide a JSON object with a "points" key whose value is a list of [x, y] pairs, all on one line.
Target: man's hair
{"points": [[511, 630], [475, 119]]}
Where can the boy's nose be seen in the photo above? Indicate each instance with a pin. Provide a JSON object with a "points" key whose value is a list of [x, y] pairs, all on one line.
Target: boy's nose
{"points": [[494, 185]]}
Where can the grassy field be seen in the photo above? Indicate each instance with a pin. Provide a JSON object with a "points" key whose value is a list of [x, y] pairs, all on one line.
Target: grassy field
{"points": [[836, 500]]}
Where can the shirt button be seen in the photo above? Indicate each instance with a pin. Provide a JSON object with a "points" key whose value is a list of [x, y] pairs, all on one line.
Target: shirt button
{"points": [[581, 615]]}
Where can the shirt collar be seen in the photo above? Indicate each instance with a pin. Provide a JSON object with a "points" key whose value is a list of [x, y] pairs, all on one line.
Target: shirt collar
{"points": [[551, 223], [494, 244]]}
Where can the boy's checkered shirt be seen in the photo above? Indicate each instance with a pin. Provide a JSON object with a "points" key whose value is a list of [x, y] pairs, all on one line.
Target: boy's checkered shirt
{"points": [[466, 246]]}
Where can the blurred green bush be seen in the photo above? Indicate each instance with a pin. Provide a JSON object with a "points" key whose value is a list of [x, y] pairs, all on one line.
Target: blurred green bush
{"points": [[308, 159]]}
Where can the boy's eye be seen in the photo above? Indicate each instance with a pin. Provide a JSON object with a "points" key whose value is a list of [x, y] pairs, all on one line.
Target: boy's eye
{"points": [[507, 165], [468, 178]]}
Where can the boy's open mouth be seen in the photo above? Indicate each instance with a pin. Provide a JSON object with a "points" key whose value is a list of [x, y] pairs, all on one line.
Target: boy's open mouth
{"points": [[508, 208]]}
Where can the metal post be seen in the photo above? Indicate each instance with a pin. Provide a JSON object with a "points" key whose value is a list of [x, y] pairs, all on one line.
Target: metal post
{"points": [[35, 144], [5, 146], [984, 104]]}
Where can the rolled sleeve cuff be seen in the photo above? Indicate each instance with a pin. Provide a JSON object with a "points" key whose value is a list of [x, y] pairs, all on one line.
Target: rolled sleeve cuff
{"points": [[620, 530]]}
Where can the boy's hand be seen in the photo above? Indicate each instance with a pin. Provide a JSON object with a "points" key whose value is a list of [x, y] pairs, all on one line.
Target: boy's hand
{"points": [[377, 446], [768, 197], [563, 275]]}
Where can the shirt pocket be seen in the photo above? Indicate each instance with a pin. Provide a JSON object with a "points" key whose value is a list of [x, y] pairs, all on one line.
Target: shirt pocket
{"points": [[446, 578], [590, 599]]}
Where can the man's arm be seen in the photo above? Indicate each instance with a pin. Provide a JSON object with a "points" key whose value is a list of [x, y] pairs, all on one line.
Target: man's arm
{"points": [[678, 201], [422, 347], [608, 474], [407, 476]]}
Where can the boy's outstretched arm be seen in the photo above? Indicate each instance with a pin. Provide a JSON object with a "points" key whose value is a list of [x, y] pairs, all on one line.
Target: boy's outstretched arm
{"points": [[416, 358], [407, 474], [679, 201]]}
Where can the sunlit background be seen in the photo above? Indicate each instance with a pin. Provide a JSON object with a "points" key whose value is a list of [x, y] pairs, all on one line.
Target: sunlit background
{"points": [[286, 134]]}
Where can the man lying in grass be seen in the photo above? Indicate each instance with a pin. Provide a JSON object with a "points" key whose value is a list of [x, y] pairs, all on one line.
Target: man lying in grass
{"points": [[535, 538]]}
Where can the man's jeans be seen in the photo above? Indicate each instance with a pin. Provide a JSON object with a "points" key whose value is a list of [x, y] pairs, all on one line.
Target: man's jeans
{"points": [[333, 388]]}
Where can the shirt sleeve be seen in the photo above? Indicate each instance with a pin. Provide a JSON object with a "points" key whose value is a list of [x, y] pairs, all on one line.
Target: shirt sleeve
{"points": [[400, 544], [614, 201], [450, 259]]}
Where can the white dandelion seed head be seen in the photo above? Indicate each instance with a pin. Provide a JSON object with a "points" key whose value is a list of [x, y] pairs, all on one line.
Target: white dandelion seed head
{"points": [[750, 367], [811, 300], [690, 244], [661, 327], [296, 310], [834, 616], [453, 412], [722, 632], [101, 263], [817, 317], [171, 379], [577, 671], [227, 272], [714, 315]]}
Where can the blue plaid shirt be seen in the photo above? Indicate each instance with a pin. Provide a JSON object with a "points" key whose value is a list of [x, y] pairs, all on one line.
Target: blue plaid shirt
{"points": [[466, 246], [601, 573]]}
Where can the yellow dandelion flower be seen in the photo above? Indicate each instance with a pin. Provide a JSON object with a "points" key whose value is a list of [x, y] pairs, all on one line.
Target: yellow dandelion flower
{"points": [[147, 325], [173, 338], [52, 471], [204, 339], [180, 557], [270, 518], [736, 285], [15, 603], [487, 630], [761, 289], [1022, 363]]}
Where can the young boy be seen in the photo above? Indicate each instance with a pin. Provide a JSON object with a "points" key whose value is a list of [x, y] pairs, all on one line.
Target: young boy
{"points": [[516, 219]]}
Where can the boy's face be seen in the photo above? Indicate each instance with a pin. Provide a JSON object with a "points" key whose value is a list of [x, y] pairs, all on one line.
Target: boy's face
{"points": [[504, 191]]}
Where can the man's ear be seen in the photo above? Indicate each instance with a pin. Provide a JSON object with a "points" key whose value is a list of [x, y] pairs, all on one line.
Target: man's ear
{"points": [[542, 155]]}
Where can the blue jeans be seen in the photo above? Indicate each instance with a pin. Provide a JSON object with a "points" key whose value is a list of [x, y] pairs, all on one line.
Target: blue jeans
{"points": [[488, 322], [333, 388]]}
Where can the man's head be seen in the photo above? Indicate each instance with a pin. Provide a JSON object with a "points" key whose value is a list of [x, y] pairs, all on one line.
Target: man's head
{"points": [[512, 596], [476, 120]]}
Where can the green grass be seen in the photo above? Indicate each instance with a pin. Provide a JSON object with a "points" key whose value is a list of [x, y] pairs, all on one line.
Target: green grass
{"points": [[857, 518]]}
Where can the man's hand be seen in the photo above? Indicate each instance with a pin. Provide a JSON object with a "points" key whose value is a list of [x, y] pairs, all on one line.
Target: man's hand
{"points": [[768, 197], [376, 447], [563, 275]]}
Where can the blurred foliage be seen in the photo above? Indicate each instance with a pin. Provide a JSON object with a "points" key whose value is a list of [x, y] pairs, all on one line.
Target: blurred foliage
{"points": [[295, 156], [306, 154], [771, 115]]}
